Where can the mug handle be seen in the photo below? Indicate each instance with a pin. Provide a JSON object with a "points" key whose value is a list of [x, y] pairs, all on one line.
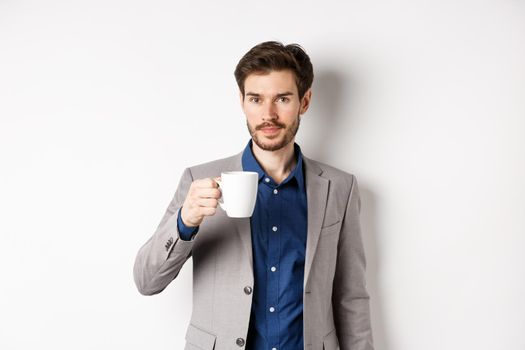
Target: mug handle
{"points": [[221, 201]]}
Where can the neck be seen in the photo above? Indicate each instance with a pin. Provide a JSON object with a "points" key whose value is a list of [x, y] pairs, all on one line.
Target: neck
{"points": [[277, 164]]}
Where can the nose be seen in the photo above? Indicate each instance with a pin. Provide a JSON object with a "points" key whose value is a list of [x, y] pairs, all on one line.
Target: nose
{"points": [[269, 111]]}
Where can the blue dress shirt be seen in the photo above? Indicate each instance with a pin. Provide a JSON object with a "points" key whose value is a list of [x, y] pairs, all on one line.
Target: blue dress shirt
{"points": [[279, 230]]}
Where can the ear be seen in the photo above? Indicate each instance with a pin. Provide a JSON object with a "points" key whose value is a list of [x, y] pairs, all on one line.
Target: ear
{"points": [[305, 102]]}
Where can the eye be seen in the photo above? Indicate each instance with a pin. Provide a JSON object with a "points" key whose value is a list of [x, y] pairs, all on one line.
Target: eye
{"points": [[283, 99], [254, 99]]}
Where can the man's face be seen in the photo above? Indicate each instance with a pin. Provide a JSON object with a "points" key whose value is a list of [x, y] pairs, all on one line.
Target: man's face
{"points": [[272, 108]]}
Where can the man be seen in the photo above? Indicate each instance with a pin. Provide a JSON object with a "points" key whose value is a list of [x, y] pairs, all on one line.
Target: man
{"points": [[292, 276]]}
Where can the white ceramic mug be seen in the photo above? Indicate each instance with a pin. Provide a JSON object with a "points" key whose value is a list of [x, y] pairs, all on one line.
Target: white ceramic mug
{"points": [[239, 192]]}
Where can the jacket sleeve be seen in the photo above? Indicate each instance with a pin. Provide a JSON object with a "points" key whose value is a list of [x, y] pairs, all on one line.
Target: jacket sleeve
{"points": [[350, 298], [160, 259]]}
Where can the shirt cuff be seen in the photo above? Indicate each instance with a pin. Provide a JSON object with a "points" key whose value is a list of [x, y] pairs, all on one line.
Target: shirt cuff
{"points": [[185, 232]]}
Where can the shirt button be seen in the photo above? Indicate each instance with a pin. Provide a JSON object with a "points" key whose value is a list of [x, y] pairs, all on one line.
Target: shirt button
{"points": [[274, 228], [272, 309], [248, 290], [240, 341], [267, 180], [275, 191], [273, 269]]}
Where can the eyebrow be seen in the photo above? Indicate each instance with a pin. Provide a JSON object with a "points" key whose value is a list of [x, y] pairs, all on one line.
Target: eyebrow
{"points": [[282, 94]]}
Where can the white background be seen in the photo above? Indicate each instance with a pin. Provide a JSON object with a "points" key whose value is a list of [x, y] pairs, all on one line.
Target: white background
{"points": [[104, 103]]}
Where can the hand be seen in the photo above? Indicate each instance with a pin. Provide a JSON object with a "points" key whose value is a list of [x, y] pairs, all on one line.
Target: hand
{"points": [[201, 201]]}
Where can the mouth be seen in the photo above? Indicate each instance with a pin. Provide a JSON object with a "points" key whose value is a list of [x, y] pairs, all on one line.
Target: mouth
{"points": [[270, 130]]}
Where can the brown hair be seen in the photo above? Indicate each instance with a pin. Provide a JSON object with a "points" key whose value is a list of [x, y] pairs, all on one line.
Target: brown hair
{"points": [[274, 56]]}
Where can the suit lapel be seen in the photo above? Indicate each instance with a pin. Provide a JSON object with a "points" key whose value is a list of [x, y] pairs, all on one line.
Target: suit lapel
{"points": [[242, 225], [316, 196], [244, 230]]}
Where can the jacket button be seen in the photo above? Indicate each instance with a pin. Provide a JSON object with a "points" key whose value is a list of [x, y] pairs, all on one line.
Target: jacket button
{"points": [[248, 290], [240, 341]]}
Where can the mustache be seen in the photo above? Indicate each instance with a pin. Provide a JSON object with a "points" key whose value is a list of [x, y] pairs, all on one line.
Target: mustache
{"points": [[268, 125]]}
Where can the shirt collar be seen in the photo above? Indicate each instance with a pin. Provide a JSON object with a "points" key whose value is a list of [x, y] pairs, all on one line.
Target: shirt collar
{"points": [[249, 163]]}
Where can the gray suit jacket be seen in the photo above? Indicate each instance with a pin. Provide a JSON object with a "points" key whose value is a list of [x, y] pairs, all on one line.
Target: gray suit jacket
{"points": [[336, 311]]}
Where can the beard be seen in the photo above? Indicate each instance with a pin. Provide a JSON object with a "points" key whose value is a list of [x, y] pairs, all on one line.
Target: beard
{"points": [[289, 134]]}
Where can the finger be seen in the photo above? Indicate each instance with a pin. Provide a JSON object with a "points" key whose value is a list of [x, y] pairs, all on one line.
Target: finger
{"points": [[208, 193], [207, 202], [206, 211], [205, 183], [215, 179]]}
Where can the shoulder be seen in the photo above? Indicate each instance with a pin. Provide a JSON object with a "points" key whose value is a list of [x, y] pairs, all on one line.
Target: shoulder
{"points": [[340, 179], [342, 185]]}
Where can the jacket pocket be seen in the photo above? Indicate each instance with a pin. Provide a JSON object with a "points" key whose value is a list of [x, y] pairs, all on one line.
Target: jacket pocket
{"points": [[331, 224], [331, 228], [198, 339], [330, 341]]}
